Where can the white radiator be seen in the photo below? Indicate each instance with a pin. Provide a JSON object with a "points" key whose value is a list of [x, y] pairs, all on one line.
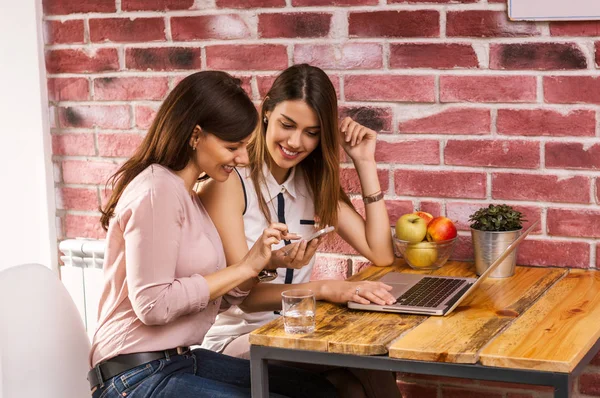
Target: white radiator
{"points": [[82, 276]]}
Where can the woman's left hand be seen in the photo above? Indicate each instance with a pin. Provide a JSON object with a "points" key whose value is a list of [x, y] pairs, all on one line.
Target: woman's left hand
{"points": [[364, 292], [357, 140], [294, 256]]}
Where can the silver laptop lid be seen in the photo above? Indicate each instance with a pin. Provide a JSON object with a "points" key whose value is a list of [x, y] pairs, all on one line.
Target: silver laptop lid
{"points": [[494, 265]]}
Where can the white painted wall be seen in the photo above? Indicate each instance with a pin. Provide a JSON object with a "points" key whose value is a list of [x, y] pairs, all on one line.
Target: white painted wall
{"points": [[27, 205]]}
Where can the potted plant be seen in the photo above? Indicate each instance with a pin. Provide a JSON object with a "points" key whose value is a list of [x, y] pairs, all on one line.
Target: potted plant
{"points": [[493, 228]]}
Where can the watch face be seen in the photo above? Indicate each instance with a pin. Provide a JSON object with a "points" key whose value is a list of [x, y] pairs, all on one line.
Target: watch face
{"points": [[267, 275]]}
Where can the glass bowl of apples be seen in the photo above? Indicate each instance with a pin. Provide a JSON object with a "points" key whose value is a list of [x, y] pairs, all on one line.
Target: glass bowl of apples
{"points": [[425, 242]]}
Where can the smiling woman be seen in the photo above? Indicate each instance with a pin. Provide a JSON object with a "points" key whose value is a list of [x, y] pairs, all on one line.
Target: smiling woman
{"points": [[217, 157], [164, 266], [294, 135], [294, 177]]}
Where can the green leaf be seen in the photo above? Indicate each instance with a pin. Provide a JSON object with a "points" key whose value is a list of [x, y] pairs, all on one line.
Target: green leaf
{"points": [[497, 218]]}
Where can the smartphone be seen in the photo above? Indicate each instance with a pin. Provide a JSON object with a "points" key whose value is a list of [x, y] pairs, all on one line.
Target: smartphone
{"points": [[314, 235], [318, 233]]}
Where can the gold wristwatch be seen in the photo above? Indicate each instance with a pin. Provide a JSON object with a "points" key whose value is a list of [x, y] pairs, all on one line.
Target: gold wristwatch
{"points": [[267, 275]]}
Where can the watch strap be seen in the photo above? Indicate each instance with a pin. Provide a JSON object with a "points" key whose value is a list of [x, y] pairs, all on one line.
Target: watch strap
{"points": [[373, 198]]}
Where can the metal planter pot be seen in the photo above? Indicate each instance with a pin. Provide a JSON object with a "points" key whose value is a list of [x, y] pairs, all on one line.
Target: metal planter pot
{"points": [[488, 246]]}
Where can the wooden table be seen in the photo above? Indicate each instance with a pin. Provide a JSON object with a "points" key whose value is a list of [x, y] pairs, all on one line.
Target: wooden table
{"points": [[541, 326]]}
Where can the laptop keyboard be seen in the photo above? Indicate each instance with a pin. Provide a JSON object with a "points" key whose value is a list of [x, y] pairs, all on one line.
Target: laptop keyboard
{"points": [[429, 292]]}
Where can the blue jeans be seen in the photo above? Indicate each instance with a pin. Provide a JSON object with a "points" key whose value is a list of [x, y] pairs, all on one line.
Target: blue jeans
{"points": [[203, 373]]}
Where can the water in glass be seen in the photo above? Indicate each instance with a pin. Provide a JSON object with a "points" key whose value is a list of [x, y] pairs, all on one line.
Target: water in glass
{"points": [[298, 311]]}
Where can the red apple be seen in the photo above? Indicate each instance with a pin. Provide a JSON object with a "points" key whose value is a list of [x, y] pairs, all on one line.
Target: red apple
{"points": [[425, 216], [411, 228], [441, 228]]}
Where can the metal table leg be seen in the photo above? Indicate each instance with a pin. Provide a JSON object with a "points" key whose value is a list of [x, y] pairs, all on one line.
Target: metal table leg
{"points": [[259, 373], [562, 386]]}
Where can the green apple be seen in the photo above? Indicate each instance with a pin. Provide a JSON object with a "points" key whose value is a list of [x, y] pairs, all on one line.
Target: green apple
{"points": [[421, 255], [411, 228]]}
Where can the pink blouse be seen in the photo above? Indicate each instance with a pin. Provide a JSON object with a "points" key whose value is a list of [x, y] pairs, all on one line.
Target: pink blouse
{"points": [[160, 243]]}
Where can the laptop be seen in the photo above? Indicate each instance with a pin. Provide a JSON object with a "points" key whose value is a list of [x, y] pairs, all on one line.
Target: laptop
{"points": [[432, 294]]}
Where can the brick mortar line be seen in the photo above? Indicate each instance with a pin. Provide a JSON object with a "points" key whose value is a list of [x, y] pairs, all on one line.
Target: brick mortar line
{"points": [[436, 108], [382, 137], [494, 123], [99, 195], [385, 55], [397, 138], [96, 145], [97, 130], [86, 33], [167, 31], [290, 53], [392, 182], [542, 146], [278, 10], [79, 186], [512, 202], [93, 159], [498, 170], [81, 212], [370, 72], [337, 41], [544, 219], [539, 85], [335, 255], [443, 22]]}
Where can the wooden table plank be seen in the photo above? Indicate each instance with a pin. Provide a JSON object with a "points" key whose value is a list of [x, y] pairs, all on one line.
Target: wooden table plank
{"points": [[556, 332], [460, 336], [272, 334], [341, 330], [371, 333]]}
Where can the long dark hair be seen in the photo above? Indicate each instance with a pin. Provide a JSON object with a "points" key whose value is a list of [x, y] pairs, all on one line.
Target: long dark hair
{"points": [[322, 167], [212, 100]]}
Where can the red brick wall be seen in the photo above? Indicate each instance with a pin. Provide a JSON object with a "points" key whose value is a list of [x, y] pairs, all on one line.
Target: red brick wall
{"points": [[472, 108]]}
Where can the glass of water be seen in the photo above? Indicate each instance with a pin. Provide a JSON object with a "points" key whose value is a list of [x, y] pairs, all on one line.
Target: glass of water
{"points": [[298, 310]]}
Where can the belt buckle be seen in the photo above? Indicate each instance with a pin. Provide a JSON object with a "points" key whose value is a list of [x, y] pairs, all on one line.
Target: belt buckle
{"points": [[182, 350]]}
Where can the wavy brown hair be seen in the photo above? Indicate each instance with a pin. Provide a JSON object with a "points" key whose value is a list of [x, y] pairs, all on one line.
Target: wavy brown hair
{"points": [[212, 100], [322, 167]]}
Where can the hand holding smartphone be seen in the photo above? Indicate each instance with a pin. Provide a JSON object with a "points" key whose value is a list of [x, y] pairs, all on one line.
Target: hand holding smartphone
{"points": [[314, 235]]}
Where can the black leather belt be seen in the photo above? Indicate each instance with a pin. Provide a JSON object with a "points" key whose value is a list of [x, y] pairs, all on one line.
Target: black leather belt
{"points": [[122, 363]]}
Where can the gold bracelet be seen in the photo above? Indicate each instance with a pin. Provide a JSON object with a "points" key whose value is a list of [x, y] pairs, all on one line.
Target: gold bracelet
{"points": [[376, 197]]}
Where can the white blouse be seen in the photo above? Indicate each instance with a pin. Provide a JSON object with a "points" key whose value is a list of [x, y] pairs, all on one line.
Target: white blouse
{"points": [[299, 213]]}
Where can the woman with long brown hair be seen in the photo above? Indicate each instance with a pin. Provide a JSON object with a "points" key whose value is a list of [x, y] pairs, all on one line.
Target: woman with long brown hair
{"points": [[294, 177], [165, 277]]}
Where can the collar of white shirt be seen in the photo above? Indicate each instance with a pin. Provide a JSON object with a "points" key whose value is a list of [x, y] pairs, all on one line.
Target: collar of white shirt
{"points": [[272, 187]]}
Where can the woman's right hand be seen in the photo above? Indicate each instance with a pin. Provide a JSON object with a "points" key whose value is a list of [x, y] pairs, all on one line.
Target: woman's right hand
{"points": [[259, 254], [364, 292]]}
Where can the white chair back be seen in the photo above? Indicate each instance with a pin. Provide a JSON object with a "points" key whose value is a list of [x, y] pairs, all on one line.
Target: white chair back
{"points": [[43, 345]]}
